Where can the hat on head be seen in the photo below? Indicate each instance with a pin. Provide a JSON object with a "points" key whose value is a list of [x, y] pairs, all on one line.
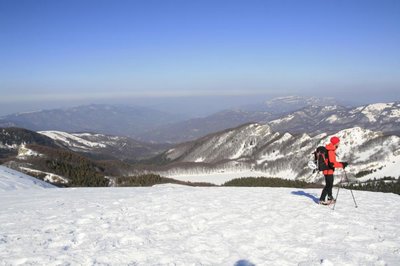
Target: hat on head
{"points": [[335, 140]]}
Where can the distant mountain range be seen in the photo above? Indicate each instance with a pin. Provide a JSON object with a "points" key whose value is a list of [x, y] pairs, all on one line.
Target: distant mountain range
{"points": [[291, 114], [266, 141], [250, 147], [262, 113], [314, 120], [150, 125], [258, 148], [105, 119]]}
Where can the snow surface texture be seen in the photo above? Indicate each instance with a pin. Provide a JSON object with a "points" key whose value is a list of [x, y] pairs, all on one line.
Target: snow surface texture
{"points": [[176, 225], [14, 180]]}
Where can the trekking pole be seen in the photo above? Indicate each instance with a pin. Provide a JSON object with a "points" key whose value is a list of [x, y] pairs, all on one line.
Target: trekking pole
{"points": [[354, 199], [337, 193]]}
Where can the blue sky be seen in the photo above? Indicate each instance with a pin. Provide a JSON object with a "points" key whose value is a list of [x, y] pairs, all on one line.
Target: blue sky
{"points": [[97, 50]]}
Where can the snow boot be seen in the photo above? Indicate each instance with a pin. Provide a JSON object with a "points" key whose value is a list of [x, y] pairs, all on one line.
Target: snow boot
{"points": [[323, 202]]}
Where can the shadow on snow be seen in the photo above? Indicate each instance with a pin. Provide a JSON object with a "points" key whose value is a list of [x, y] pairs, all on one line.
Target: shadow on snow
{"points": [[244, 263], [313, 197]]}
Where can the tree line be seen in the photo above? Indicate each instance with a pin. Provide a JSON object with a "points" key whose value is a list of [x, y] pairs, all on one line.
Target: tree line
{"points": [[80, 171], [387, 185], [268, 182], [152, 179]]}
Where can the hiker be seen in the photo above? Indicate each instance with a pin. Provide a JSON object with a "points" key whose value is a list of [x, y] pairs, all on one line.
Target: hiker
{"points": [[327, 191]]}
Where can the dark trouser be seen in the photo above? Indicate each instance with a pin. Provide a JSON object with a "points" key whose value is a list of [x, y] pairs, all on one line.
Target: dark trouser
{"points": [[328, 188]]}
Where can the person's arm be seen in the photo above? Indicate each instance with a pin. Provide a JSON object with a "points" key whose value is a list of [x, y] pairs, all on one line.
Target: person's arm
{"points": [[332, 159]]}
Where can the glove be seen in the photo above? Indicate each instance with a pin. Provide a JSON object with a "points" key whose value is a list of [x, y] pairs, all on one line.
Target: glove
{"points": [[345, 164]]}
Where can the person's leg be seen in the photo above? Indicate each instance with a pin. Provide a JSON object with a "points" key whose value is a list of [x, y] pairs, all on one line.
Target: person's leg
{"points": [[329, 185], [325, 190]]}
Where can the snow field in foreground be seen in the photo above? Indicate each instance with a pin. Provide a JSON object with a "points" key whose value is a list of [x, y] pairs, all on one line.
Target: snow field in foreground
{"points": [[173, 225]]}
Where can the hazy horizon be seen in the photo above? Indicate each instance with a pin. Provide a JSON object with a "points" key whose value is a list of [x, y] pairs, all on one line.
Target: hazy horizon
{"points": [[187, 106]]}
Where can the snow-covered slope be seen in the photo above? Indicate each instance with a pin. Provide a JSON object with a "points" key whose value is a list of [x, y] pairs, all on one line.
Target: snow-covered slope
{"points": [[11, 180], [257, 148], [72, 141], [169, 225]]}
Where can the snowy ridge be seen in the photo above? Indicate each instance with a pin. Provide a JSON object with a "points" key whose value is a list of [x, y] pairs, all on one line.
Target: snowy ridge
{"points": [[11, 180], [176, 225], [105, 146], [72, 140], [256, 149]]}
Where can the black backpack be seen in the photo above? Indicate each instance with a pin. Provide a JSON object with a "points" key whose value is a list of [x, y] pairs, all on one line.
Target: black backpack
{"points": [[321, 159]]}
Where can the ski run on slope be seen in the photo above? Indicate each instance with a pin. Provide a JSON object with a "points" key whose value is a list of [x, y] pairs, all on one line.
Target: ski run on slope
{"points": [[176, 225], [73, 140]]}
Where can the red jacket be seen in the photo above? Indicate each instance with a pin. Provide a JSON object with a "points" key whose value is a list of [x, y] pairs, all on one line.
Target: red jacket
{"points": [[332, 159]]}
